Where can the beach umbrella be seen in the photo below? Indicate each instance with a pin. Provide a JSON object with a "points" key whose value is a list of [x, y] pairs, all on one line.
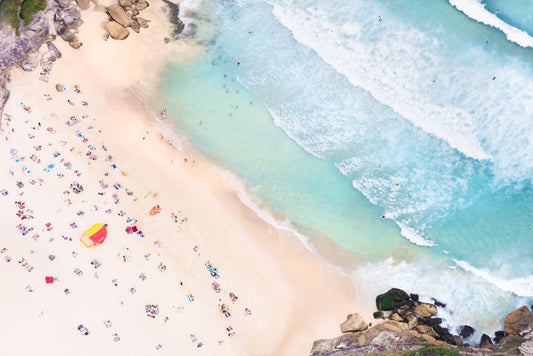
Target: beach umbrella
{"points": [[95, 235]]}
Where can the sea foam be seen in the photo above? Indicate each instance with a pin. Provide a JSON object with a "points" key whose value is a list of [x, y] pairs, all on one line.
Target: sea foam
{"points": [[476, 11]]}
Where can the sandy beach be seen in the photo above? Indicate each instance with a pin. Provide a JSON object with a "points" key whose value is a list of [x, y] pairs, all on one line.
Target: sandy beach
{"points": [[203, 274]]}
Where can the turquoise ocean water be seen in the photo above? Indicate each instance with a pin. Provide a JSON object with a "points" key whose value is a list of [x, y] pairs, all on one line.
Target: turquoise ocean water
{"points": [[396, 135]]}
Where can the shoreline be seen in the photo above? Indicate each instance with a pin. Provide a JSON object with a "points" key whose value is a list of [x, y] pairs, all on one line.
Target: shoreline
{"points": [[309, 296]]}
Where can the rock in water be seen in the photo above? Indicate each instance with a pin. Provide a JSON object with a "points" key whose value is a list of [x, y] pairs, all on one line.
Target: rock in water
{"points": [[353, 323], [119, 15], [391, 299], [116, 30], [519, 322], [486, 342], [466, 331], [425, 309], [83, 4]]}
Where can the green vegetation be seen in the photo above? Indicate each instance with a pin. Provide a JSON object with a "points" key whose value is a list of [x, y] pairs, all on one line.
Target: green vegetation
{"points": [[433, 350], [12, 11], [30, 7], [9, 13]]}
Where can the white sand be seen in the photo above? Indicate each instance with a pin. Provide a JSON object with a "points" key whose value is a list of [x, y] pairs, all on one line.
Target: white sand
{"points": [[294, 297]]}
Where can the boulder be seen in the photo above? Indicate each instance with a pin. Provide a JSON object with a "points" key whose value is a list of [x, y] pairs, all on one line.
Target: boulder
{"points": [[134, 12], [444, 333], [141, 5], [75, 44], [486, 342], [63, 3], [433, 321], [391, 299], [456, 340], [83, 4], [425, 309], [498, 336], [118, 14], [465, 331], [143, 22], [116, 30], [353, 323], [424, 329], [65, 34], [414, 297], [519, 322], [60, 87], [52, 54], [124, 3]]}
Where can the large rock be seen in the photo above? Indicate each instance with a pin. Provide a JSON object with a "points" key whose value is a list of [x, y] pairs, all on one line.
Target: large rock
{"points": [[118, 14], [353, 323], [519, 322], [412, 321], [116, 30], [456, 340], [52, 54], [424, 329], [124, 3], [425, 310], [83, 4], [486, 342], [466, 331], [391, 299]]}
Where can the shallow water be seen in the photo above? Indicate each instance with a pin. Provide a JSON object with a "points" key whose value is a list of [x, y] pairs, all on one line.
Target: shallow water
{"points": [[367, 109]]}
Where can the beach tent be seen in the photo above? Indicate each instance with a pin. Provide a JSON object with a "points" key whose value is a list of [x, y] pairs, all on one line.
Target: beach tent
{"points": [[94, 236]]}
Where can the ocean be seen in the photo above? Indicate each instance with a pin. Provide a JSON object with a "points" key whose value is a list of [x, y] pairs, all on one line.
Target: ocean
{"points": [[394, 137]]}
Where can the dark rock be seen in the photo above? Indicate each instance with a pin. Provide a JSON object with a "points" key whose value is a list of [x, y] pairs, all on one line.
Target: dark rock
{"points": [[391, 299], [414, 297], [486, 342], [519, 322], [465, 331], [433, 321], [444, 333], [379, 315], [498, 336], [438, 304]]}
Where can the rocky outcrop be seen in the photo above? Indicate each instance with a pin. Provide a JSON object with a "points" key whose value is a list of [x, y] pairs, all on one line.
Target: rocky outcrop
{"points": [[116, 30], [353, 323], [401, 334], [519, 322]]}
